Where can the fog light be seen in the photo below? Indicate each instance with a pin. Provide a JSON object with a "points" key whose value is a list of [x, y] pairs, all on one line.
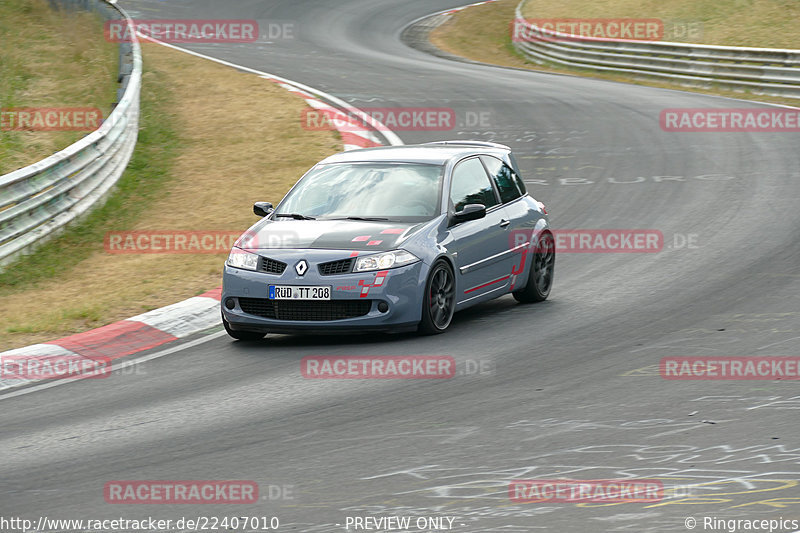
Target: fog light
{"points": [[383, 307], [230, 303]]}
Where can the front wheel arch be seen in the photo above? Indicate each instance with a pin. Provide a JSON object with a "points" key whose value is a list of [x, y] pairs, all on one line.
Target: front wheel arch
{"points": [[438, 298]]}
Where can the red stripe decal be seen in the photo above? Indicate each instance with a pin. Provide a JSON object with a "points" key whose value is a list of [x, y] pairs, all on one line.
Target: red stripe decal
{"points": [[487, 284]]}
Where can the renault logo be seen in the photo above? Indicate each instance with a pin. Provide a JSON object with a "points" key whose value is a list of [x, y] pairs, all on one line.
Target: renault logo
{"points": [[301, 267]]}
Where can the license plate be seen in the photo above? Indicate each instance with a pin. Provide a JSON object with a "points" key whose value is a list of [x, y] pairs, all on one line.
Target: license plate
{"points": [[292, 292]]}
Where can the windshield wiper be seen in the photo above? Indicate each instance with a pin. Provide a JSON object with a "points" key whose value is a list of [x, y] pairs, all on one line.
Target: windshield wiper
{"points": [[369, 219], [296, 216]]}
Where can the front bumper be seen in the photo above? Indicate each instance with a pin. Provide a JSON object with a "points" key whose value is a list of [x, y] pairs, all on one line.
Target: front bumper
{"points": [[356, 299]]}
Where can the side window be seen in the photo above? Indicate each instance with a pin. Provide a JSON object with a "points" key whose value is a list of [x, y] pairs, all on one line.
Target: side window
{"points": [[471, 185], [508, 183]]}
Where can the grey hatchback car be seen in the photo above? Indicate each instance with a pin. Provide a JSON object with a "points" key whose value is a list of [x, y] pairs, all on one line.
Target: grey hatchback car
{"points": [[390, 239]]}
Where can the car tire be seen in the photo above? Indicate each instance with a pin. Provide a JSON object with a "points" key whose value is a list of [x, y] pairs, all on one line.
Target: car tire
{"points": [[439, 301], [242, 335], [540, 278]]}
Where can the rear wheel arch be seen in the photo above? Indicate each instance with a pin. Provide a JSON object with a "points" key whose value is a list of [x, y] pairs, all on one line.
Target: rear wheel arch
{"points": [[537, 287]]}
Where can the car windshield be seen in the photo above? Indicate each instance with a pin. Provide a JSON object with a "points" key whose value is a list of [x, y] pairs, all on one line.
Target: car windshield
{"points": [[397, 191]]}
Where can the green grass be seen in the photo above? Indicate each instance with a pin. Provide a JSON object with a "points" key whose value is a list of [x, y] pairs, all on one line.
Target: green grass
{"points": [[757, 23], [193, 169], [50, 58], [482, 33], [141, 182]]}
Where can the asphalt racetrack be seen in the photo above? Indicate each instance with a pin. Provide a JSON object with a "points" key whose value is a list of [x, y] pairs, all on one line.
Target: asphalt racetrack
{"points": [[569, 388]]}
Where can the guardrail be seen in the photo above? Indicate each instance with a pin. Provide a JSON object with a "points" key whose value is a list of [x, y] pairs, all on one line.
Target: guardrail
{"points": [[766, 71], [37, 201]]}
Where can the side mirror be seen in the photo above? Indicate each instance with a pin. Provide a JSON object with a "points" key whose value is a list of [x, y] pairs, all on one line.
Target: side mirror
{"points": [[470, 212], [262, 209]]}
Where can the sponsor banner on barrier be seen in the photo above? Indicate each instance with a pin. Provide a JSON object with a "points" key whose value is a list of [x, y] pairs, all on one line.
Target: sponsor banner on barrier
{"points": [[50, 118], [730, 368]]}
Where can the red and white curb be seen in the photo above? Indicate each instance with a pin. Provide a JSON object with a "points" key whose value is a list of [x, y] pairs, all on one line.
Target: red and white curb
{"points": [[120, 339], [353, 137], [167, 324]]}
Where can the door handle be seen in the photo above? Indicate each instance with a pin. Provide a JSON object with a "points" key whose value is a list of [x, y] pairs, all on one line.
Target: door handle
{"points": [[504, 223]]}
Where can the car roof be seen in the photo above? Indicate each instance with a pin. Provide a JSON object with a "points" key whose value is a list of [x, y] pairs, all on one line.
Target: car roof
{"points": [[431, 153]]}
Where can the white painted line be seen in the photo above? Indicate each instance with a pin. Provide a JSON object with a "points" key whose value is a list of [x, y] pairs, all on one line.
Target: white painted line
{"points": [[199, 313], [122, 364], [393, 139], [445, 12], [448, 11]]}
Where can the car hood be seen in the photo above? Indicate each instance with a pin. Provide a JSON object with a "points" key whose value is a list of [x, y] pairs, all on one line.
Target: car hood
{"points": [[328, 234]]}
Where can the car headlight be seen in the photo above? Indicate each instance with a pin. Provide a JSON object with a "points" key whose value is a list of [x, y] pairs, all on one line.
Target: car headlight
{"points": [[241, 259], [384, 260]]}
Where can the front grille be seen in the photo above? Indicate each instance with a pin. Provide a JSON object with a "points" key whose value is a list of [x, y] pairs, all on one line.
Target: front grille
{"points": [[342, 266], [311, 310], [271, 266]]}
